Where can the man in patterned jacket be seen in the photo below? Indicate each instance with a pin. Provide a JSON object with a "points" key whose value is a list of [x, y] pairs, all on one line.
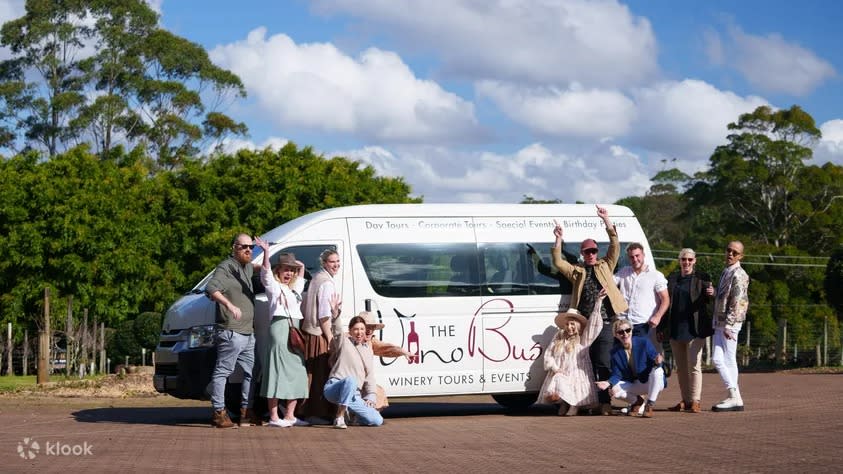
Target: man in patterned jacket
{"points": [[730, 308]]}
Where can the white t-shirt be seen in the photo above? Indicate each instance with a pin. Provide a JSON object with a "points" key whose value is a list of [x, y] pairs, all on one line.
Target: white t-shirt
{"points": [[640, 290]]}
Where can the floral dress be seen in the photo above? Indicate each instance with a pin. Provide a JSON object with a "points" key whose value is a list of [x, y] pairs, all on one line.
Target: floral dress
{"points": [[570, 377]]}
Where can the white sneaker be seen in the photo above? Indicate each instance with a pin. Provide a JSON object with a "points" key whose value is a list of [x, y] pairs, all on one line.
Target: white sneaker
{"points": [[280, 423], [339, 423], [732, 403]]}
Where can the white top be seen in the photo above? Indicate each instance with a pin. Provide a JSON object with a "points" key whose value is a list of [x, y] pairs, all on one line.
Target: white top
{"points": [[641, 292], [278, 294], [323, 297]]}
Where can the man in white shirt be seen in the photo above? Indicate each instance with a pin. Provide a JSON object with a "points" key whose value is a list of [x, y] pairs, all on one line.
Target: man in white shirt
{"points": [[645, 291]]}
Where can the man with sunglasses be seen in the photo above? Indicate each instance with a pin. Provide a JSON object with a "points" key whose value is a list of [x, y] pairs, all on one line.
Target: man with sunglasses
{"points": [[730, 307], [636, 371], [230, 287], [588, 279]]}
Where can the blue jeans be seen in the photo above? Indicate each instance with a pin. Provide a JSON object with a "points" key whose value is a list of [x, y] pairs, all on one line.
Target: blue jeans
{"points": [[344, 392], [232, 348]]}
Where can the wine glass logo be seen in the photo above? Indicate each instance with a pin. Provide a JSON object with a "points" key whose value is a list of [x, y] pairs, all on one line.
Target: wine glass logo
{"points": [[29, 448]]}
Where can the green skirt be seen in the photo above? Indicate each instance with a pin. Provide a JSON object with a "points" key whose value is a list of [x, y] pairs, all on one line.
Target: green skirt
{"points": [[284, 375]]}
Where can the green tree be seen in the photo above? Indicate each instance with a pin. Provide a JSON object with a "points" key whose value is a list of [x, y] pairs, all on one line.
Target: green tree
{"points": [[753, 179], [141, 86]]}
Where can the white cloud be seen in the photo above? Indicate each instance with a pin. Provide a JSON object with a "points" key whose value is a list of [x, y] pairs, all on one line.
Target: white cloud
{"points": [[830, 148], [770, 62], [375, 95], [575, 112], [602, 174], [686, 119], [597, 43]]}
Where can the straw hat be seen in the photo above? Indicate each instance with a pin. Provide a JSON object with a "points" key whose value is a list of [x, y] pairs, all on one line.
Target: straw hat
{"points": [[572, 313], [370, 320]]}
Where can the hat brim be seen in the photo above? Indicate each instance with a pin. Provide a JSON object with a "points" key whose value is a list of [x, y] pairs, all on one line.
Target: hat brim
{"points": [[562, 319], [376, 325]]}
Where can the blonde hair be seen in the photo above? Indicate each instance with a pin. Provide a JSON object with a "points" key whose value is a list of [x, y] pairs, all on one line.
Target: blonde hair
{"points": [[277, 269], [618, 323], [566, 340], [687, 251]]}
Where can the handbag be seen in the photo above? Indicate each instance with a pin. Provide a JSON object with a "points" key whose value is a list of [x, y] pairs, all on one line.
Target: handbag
{"points": [[295, 339]]}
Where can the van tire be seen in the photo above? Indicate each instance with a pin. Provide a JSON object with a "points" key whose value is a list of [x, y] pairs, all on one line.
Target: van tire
{"points": [[515, 401]]}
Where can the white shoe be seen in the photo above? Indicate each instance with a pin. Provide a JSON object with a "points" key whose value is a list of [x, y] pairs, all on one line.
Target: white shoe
{"points": [[339, 423], [280, 423], [733, 403]]}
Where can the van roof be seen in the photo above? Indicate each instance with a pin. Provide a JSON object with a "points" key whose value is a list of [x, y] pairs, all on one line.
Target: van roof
{"points": [[446, 210]]}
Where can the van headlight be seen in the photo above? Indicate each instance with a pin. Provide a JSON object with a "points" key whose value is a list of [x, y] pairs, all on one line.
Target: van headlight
{"points": [[201, 336]]}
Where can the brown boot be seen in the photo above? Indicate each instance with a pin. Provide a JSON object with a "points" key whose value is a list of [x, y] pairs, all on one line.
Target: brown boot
{"points": [[648, 410], [694, 407], [679, 406], [220, 419]]}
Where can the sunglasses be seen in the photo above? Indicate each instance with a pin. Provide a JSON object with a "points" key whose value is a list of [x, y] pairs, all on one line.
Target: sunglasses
{"points": [[621, 332], [732, 252], [244, 246], [589, 251], [687, 259]]}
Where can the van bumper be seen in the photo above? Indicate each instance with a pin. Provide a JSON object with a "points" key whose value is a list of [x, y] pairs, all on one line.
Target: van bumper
{"points": [[189, 377]]}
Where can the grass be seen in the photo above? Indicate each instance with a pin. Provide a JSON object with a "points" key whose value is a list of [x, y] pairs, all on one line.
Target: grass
{"points": [[13, 383]]}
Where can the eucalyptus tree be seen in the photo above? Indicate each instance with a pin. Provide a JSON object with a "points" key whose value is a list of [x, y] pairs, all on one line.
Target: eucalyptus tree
{"points": [[104, 72]]}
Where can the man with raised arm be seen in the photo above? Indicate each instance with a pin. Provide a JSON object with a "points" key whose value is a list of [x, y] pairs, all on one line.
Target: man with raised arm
{"points": [[587, 280]]}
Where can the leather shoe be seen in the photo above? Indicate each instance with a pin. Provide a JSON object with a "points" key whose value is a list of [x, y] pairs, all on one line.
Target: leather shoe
{"points": [[220, 419], [694, 407], [633, 410], [648, 411], [679, 406]]}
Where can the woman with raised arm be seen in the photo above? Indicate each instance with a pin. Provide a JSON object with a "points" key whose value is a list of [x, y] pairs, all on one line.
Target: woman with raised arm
{"points": [[570, 377], [284, 375]]}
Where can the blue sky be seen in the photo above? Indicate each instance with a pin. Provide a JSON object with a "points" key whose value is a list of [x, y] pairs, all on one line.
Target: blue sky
{"points": [[491, 100]]}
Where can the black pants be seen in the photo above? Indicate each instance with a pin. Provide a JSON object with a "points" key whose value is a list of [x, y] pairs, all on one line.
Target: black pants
{"points": [[601, 359], [642, 329]]}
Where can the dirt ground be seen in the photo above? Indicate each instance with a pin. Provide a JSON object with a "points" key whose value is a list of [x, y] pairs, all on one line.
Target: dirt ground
{"points": [[793, 422]]}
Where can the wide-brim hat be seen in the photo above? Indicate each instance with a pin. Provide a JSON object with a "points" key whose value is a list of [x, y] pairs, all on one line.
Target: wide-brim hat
{"points": [[287, 260], [370, 320], [572, 313]]}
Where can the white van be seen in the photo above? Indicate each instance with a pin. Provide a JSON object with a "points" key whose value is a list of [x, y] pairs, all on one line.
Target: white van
{"points": [[453, 283]]}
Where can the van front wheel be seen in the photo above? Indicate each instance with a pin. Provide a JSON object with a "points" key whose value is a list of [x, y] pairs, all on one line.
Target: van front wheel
{"points": [[515, 401]]}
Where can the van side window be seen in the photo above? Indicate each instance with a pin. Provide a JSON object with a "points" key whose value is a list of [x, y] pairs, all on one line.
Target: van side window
{"points": [[543, 278], [421, 270], [506, 268]]}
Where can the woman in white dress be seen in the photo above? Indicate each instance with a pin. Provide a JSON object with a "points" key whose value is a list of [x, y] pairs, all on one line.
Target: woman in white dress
{"points": [[570, 378]]}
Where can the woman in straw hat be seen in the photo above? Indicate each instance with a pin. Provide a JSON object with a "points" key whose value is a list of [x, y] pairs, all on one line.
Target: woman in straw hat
{"points": [[284, 375], [570, 378]]}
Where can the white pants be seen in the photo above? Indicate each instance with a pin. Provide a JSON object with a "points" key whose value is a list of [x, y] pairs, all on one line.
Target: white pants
{"points": [[724, 356], [630, 390]]}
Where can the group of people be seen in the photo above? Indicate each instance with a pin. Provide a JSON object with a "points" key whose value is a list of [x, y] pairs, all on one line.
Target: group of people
{"points": [[332, 378], [609, 341], [608, 344]]}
